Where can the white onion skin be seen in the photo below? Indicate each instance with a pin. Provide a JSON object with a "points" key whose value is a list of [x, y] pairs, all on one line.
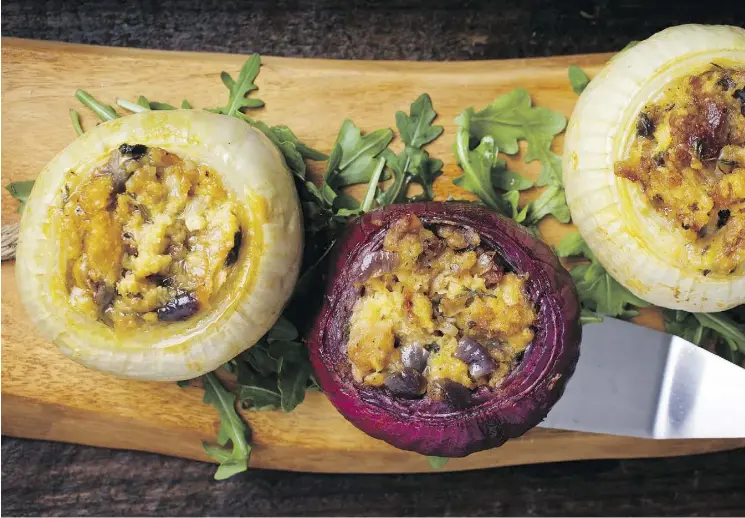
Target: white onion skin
{"points": [[634, 244], [252, 168]]}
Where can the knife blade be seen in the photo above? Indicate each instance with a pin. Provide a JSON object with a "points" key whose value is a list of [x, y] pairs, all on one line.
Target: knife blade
{"points": [[635, 381]]}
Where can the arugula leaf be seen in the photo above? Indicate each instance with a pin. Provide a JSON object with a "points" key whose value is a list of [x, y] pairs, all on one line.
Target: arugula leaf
{"points": [[571, 245], [413, 164], [510, 118], [507, 180], [283, 329], [477, 166], [261, 398], [75, 118], [142, 101], [437, 462], [154, 105], [20, 191], [552, 201], [722, 324], [513, 199], [709, 330], [285, 134], [352, 159], [237, 101], [598, 291], [232, 429], [293, 381], [186, 105], [578, 79], [416, 129]]}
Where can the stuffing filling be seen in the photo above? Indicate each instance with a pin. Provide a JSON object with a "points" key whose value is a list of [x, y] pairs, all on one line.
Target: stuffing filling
{"points": [[148, 238], [438, 314], [688, 157]]}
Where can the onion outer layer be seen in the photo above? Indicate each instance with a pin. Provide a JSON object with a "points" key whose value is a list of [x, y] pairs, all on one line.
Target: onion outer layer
{"points": [[431, 427], [628, 237], [252, 168]]}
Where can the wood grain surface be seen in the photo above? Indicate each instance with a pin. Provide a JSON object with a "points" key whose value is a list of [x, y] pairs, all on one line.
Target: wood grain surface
{"points": [[49, 397]]}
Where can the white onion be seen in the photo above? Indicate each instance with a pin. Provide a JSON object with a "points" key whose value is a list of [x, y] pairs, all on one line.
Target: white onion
{"points": [[251, 167], [630, 239]]}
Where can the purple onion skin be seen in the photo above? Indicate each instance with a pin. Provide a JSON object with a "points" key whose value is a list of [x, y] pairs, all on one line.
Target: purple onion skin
{"points": [[432, 427]]}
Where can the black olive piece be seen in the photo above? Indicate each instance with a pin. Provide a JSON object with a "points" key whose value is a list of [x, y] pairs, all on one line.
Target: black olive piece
{"points": [[160, 280], [698, 147], [740, 96], [722, 217], [659, 159], [415, 357], [706, 272], [433, 348], [455, 394], [726, 82], [103, 296], [686, 226], [645, 126], [180, 307], [480, 363], [407, 383], [235, 251], [136, 151]]}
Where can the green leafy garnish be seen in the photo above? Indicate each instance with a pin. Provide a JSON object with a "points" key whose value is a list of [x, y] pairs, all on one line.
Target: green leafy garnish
{"points": [[275, 373], [416, 129], [75, 118], [353, 157], [232, 429], [161, 106], [237, 101], [703, 328], [437, 462], [510, 118], [498, 128], [186, 105], [598, 291], [552, 201], [413, 164], [104, 111], [578, 79], [507, 180], [20, 191]]}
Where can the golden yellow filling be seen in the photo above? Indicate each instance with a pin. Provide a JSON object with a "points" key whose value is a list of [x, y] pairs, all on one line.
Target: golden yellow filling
{"points": [[689, 159], [440, 298], [148, 237]]}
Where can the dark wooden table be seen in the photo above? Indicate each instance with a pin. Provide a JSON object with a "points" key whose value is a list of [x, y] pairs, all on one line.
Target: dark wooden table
{"points": [[42, 478]]}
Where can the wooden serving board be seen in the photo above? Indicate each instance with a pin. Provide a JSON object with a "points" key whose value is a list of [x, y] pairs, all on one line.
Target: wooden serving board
{"points": [[47, 396]]}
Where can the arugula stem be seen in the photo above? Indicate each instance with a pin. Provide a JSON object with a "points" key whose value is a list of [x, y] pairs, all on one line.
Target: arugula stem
{"points": [[75, 117], [373, 185], [104, 112], [133, 107]]}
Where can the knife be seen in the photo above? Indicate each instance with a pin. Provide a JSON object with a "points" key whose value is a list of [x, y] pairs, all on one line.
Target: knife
{"points": [[638, 382]]}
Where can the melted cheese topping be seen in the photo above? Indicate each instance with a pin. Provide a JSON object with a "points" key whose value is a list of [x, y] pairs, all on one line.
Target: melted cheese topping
{"points": [[689, 160], [148, 237], [442, 289]]}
